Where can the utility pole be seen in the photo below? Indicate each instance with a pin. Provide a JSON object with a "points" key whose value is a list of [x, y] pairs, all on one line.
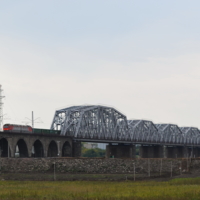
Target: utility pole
{"points": [[32, 120], [1, 109]]}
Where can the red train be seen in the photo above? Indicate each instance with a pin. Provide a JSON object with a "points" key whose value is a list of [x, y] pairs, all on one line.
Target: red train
{"points": [[27, 129], [17, 128]]}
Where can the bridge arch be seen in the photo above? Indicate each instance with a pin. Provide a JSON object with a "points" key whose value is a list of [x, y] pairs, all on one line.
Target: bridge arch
{"points": [[21, 149], [37, 149], [66, 150], [52, 149], [4, 147]]}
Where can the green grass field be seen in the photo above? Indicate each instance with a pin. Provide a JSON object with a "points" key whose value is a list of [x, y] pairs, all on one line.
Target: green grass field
{"points": [[180, 189]]}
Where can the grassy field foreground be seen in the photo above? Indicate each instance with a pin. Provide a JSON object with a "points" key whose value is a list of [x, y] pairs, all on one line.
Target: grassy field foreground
{"points": [[181, 189]]}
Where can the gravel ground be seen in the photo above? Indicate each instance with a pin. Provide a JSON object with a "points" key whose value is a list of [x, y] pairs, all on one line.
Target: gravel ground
{"points": [[92, 177]]}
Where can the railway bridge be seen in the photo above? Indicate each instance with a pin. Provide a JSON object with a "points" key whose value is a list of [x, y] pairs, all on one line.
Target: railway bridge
{"points": [[103, 125], [96, 123]]}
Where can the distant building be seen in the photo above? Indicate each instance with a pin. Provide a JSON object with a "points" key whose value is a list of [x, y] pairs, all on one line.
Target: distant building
{"points": [[89, 145], [102, 145]]}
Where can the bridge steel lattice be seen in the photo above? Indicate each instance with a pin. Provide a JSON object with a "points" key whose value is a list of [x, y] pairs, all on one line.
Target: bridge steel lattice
{"points": [[106, 124], [91, 122]]}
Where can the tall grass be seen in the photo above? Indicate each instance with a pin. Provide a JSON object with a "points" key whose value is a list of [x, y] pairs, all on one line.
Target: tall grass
{"points": [[177, 189]]}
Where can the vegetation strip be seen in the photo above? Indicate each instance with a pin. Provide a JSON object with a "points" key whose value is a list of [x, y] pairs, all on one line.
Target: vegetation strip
{"points": [[177, 189]]}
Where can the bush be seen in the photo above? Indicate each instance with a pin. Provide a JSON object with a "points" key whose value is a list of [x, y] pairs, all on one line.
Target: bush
{"points": [[93, 152]]}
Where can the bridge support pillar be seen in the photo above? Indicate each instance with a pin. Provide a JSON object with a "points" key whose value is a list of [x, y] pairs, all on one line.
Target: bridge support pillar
{"points": [[12, 153], [193, 152], [185, 152], [196, 152], [120, 151], [59, 145], [45, 152], [11, 148], [175, 152], [154, 151], [180, 152], [190, 152], [76, 149]]}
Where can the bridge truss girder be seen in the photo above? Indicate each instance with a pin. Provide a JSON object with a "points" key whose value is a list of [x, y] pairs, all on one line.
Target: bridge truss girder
{"points": [[143, 131], [101, 123], [170, 133], [91, 122], [191, 135]]}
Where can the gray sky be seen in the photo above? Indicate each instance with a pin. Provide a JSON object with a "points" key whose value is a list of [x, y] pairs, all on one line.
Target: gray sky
{"points": [[140, 57]]}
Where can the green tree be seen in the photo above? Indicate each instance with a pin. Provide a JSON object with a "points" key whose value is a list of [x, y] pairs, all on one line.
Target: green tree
{"points": [[97, 152]]}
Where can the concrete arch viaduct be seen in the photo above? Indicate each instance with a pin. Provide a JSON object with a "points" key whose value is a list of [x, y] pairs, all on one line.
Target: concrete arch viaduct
{"points": [[107, 125], [36, 145]]}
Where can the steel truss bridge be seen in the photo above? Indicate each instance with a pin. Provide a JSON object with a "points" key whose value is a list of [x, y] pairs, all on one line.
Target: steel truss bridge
{"points": [[106, 124]]}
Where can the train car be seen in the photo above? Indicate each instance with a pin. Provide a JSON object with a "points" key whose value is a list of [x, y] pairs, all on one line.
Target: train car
{"points": [[46, 131], [17, 128]]}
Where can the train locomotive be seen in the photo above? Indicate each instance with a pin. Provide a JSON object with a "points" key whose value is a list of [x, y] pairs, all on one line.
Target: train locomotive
{"points": [[15, 128]]}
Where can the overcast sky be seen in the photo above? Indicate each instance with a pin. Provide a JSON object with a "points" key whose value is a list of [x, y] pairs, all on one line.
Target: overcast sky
{"points": [[141, 57]]}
